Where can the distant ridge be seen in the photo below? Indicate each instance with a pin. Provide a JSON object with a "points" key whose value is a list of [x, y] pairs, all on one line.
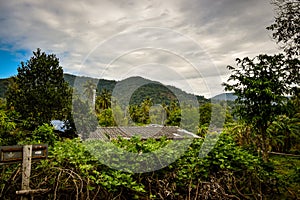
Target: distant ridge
{"points": [[142, 88], [225, 97], [101, 84], [155, 90]]}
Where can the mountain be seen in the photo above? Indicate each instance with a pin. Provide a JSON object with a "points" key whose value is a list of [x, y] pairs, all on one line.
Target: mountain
{"points": [[3, 86], [81, 80], [135, 89], [225, 96], [132, 90]]}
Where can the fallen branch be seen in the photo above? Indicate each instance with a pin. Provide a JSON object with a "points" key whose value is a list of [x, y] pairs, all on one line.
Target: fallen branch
{"points": [[36, 191]]}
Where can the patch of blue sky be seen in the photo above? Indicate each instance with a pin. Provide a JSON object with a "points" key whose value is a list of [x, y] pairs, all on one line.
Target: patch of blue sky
{"points": [[10, 60]]}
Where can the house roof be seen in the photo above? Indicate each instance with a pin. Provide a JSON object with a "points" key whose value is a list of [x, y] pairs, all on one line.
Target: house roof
{"points": [[144, 132]]}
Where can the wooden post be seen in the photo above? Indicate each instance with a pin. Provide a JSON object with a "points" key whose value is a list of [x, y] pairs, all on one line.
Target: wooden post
{"points": [[26, 169], [26, 153]]}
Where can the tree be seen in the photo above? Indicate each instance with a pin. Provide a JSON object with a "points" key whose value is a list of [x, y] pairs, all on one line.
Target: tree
{"points": [[145, 110], [286, 31], [103, 101], [173, 112], [205, 114], [260, 85], [106, 118], [135, 113], [39, 92], [286, 28]]}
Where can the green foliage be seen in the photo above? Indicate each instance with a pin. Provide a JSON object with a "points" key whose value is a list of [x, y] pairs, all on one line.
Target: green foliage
{"points": [[103, 101], [105, 118], [286, 26], [156, 91], [287, 168], [135, 155], [6, 129], [72, 157], [81, 80], [136, 145], [3, 86], [39, 92], [173, 114], [140, 114], [205, 114], [5, 124], [145, 111], [286, 33], [106, 115], [284, 133], [74, 171], [260, 85], [44, 134], [227, 171], [268, 121]]}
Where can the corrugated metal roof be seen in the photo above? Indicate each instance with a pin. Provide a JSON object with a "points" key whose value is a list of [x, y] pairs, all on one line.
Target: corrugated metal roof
{"points": [[144, 132]]}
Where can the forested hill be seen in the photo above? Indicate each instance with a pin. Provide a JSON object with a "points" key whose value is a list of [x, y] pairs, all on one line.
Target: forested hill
{"points": [[3, 86], [142, 88], [135, 89]]}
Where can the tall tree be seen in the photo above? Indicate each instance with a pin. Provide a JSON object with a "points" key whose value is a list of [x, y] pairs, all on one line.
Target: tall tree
{"points": [[286, 31], [39, 92], [260, 85]]}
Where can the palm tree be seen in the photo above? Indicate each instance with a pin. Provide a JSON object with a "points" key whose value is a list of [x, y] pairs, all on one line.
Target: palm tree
{"points": [[103, 101]]}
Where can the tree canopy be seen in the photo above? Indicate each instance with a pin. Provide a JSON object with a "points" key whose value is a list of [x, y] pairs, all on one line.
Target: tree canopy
{"points": [[260, 85], [286, 28], [263, 83], [39, 92]]}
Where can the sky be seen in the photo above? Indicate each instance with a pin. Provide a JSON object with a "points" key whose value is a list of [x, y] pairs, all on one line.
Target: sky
{"points": [[186, 44]]}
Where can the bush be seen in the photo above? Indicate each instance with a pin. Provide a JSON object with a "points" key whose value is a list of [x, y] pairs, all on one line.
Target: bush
{"points": [[71, 171], [44, 134], [6, 129]]}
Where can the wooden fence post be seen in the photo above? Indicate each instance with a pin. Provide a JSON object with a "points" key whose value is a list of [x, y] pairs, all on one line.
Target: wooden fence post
{"points": [[26, 153], [26, 169]]}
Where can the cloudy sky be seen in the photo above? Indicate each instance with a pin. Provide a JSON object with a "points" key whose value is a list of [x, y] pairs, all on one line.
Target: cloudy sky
{"points": [[187, 44]]}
